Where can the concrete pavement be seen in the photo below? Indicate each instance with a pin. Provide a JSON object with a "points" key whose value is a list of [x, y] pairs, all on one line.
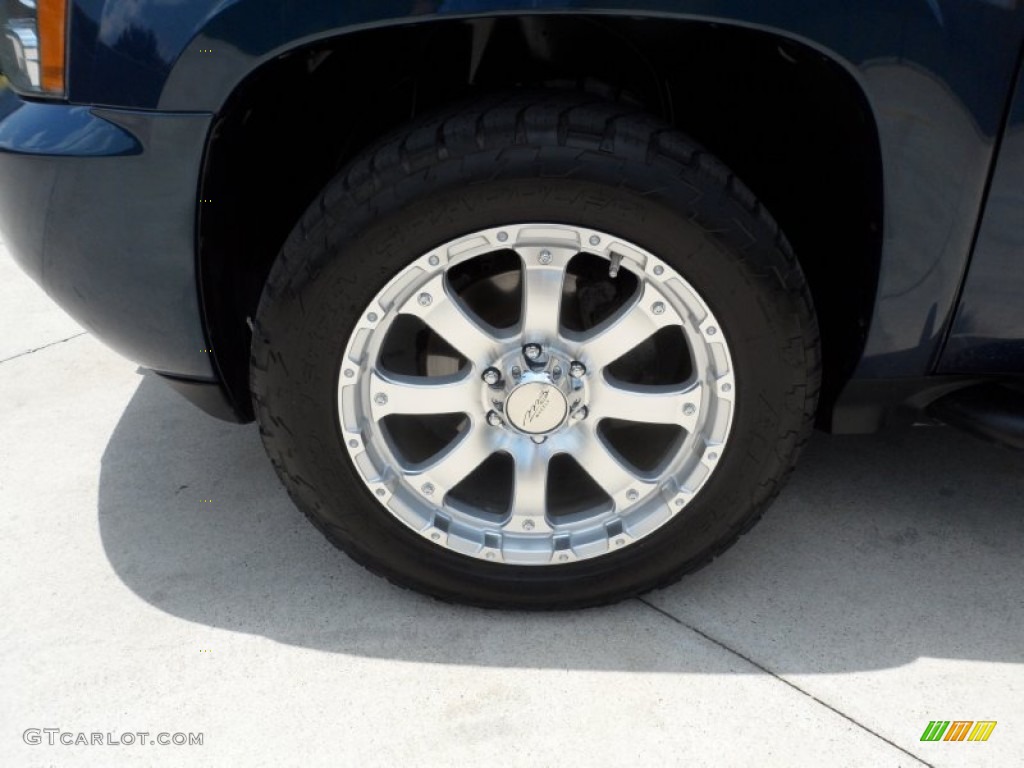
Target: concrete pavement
{"points": [[883, 590]]}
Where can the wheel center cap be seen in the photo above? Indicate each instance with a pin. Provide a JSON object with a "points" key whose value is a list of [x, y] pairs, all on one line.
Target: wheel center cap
{"points": [[536, 407]]}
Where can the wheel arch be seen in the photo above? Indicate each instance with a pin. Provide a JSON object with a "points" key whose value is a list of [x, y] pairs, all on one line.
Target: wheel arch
{"points": [[792, 121]]}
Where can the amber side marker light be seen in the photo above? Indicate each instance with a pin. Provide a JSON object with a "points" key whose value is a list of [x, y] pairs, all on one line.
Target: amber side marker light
{"points": [[52, 28]]}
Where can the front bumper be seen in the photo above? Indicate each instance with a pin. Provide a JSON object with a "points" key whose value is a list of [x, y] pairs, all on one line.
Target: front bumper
{"points": [[99, 207]]}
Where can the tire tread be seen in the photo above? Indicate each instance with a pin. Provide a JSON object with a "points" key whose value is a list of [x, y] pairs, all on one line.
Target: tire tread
{"points": [[611, 131]]}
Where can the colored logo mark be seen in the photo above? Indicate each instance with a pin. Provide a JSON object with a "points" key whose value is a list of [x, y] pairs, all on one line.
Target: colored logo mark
{"points": [[958, 730]]}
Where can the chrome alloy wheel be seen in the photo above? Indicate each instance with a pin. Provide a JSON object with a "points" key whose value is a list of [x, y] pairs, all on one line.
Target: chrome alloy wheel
{"points": [[536, 394]]}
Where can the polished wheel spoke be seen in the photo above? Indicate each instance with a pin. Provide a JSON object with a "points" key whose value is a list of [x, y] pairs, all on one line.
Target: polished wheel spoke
{"points": [[446, 470], [442, 311], [633, 324], [529, 500], [648, 405], [543, 276], [420, 395]]}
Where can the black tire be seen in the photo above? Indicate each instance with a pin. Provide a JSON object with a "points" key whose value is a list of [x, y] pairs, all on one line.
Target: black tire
{"points": [[546, 156]]}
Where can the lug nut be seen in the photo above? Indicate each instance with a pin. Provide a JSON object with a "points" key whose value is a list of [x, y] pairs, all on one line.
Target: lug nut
{"points": [[538, 439], [531, 351], [491, 376], [494, 419], [580, 413], [577, 370]]}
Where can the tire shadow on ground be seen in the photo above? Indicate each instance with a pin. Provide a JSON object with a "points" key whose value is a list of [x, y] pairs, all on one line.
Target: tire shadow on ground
{"points": [[882, 549]]}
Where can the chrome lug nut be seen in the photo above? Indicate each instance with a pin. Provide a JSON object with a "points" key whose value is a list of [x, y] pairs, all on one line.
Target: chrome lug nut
{"points": [[494, 419], [577, 369], [580, 413], [492, 376], [531, 351]]}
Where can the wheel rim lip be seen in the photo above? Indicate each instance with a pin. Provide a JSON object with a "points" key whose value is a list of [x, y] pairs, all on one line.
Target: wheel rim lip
{"points": [[400, 492]]}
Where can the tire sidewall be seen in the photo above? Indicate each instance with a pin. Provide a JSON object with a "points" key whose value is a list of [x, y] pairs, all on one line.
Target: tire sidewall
{"points": [[335, 267]]}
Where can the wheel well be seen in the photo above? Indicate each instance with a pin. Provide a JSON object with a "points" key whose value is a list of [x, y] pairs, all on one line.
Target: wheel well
{"points": [[789, 121]]}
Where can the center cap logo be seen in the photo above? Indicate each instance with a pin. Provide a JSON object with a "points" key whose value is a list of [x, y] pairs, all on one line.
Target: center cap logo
{"points": [[536, 407]]}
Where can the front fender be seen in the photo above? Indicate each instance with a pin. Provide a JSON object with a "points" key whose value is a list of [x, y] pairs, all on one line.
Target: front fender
{"points": [[936, 73]]}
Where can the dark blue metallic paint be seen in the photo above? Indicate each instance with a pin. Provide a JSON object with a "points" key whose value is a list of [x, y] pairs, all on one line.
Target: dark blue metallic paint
{"points": [[35, 129], [98, 206], [988, 333], [936, 73]]}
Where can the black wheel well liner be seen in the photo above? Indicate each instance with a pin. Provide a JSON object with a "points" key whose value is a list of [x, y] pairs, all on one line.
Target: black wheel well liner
{"points": [[790, 121]]}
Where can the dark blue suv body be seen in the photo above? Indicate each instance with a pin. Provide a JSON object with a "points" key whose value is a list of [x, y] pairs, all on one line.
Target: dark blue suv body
{"points": [[155, 156]]}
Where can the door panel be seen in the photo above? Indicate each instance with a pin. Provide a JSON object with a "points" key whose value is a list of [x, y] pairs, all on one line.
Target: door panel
{"points": [[988, 329]]}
